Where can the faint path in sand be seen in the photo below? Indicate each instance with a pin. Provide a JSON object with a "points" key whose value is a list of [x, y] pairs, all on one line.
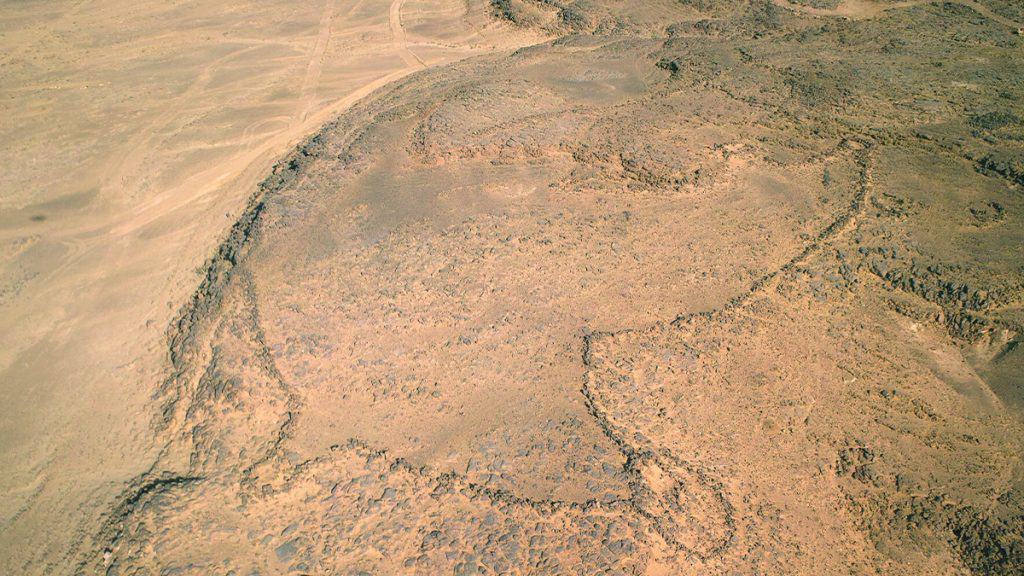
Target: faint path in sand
{"points": [[203, 183], [316, 60], [398, 36], [864, 9]]}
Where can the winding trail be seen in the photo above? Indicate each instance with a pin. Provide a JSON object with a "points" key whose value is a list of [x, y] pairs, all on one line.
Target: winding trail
{"points": [[398, 36]]}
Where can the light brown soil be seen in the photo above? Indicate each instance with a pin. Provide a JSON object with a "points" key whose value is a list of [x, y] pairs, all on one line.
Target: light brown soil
{"points": [[697, 287]]}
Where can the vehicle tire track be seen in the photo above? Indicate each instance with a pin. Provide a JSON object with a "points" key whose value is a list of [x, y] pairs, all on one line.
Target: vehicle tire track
{"points": [[316, 61], [398, 38]]}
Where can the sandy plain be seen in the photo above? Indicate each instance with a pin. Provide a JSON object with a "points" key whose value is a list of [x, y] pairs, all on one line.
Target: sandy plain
{"points": [[673, 287]]}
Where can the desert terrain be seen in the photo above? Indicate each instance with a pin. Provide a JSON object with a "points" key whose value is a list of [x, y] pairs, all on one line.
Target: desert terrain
{"points": [[512, 287]]}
